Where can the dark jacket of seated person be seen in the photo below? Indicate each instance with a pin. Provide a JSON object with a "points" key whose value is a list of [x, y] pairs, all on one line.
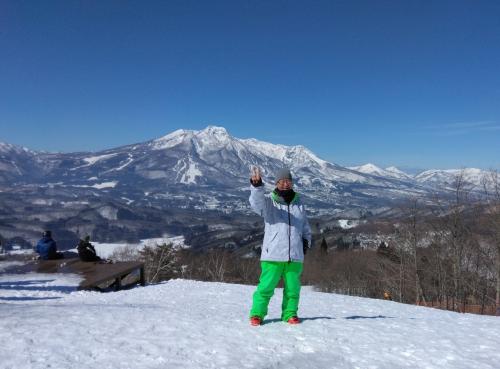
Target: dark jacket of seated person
{"points": [[86, 251], [47, 248]]}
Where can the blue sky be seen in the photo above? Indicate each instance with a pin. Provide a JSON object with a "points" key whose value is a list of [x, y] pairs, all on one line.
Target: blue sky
{"points": [[406, 83]]}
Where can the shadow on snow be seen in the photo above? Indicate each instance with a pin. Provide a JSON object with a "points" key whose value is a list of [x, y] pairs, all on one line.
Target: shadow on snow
{"points": [[27, 298], [34, 285]]}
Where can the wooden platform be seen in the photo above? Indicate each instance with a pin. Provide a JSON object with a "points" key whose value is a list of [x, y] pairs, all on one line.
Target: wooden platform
{"points": [[97, 274], [93, 273]]}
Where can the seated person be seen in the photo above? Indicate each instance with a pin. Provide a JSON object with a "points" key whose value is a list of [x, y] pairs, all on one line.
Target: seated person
{"points": [[47, 248], [86, 251]]}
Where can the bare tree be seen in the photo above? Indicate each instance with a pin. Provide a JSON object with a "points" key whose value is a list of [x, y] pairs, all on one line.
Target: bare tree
{"points": [[491, 186], [159, 262], [126, 253], [451, 228], [247, 269], [216, 267], [414, 238]]}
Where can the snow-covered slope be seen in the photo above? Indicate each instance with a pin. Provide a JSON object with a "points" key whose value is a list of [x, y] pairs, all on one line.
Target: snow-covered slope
{"points": [[390, 172], [215, 147], [15, 162], [106, 250], [187, 324], [446, 178], [212, 155], [397, 173], [369, 169]]}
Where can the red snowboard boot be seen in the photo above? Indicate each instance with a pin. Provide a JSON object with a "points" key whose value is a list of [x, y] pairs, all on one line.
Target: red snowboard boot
{"points": [[294, 320], [255, 320]]}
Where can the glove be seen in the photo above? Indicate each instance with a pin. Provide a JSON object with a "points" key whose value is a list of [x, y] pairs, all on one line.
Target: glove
{"points": [[305, 245], [257, 183]]}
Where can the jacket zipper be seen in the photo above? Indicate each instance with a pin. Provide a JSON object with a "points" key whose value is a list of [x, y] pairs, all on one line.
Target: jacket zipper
{"points": [[289, 232]]}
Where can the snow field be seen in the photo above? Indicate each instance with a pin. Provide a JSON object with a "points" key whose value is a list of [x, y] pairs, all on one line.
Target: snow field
{"points": [[190, 324]]}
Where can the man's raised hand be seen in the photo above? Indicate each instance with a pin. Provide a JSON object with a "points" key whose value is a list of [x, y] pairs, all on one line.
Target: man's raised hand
{"points": [[255, 179]]}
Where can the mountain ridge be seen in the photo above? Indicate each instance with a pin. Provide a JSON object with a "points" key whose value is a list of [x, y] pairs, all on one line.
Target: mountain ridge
{"points": [[181, 183], [207, 157], [223, 139]]}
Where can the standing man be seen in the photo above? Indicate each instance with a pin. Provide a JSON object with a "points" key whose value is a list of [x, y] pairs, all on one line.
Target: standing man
{"points": [[287, 236]]}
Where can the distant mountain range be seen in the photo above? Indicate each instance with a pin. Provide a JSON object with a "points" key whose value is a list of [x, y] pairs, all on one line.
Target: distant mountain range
{"points": [[438, 179], [196, 170], [210, 168]]}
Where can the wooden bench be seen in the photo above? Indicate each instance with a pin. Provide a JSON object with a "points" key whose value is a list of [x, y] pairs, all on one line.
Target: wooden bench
{"points": [[93, 273], [96, 273]]}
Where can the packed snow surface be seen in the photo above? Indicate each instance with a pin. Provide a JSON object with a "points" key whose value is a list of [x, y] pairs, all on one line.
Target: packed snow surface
{"points": [[106, 250], [129, 160], [100, 186], [188, 170], [188, 324], [94, 159], [347, 223], [111, 184]]}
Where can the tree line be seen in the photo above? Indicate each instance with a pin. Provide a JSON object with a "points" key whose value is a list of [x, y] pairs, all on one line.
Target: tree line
{"points": [[443, 251]]}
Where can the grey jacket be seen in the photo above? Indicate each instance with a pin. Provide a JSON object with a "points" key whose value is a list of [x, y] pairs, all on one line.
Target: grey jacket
{"points": [[285, 226]]}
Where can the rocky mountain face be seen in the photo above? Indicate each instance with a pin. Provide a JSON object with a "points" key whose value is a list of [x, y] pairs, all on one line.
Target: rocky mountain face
{"points": [[148, 188]]}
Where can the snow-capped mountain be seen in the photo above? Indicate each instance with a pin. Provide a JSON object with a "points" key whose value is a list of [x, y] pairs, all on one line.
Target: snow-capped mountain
{"points": [[472, 177], [397, 173], [166, 185], [209, 169], [440, 179], [16, 162], [390, 172]]}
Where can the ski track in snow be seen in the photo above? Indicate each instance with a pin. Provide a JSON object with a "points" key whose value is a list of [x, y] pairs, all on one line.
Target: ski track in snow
{"points": [[46, 323]]}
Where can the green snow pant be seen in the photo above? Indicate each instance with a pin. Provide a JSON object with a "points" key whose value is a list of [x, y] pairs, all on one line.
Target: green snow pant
{"points": [[272, 272]]}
